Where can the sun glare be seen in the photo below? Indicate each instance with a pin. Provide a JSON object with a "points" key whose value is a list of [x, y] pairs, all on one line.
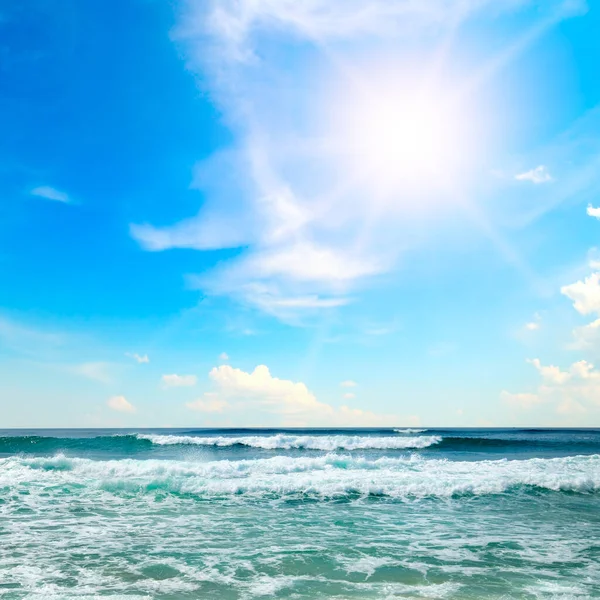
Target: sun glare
{"points": [[397, 139]]}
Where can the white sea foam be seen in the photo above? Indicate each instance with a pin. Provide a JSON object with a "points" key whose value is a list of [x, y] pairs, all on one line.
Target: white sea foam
{"points": [[328, 443], [366, 564], [326, 476], [409, 430]]}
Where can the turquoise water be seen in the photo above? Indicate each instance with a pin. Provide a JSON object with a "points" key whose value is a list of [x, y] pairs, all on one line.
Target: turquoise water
{"points": [[236, 514]]}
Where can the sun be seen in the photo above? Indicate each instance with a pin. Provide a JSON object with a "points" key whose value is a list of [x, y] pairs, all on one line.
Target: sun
{"points": [[397, 138]]}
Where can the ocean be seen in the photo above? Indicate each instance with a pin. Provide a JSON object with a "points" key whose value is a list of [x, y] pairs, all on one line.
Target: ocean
{"points": [[308, 514]]}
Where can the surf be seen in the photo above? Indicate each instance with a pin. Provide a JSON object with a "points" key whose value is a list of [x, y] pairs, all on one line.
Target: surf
{"points": [[324, 477]]}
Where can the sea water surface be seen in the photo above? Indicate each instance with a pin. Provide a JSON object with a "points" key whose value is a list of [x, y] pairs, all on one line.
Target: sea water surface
{"points": [[319, 513]]}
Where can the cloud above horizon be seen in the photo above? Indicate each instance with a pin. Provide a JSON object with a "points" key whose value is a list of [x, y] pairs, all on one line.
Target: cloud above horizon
{"points": [[576, 391], [120, 404], [567, 394], [257, 394]]}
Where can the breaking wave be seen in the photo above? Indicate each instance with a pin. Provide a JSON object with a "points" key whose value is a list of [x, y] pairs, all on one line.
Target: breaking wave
{"points": [[328, 476], [327, 443], [141, 443], [409, 430]]}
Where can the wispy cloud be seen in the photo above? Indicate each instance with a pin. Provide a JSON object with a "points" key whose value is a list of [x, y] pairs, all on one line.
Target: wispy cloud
{"points": [[538, 175], [535, 323], [24, 339], [313, 221], [575, 156], [348, 383], [587, 336], [139, 358], [50, 193], [120, 404], [235, 22]]}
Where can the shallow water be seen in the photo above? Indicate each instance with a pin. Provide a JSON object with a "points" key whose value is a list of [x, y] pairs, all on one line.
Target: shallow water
{"points": [[341, 514]]}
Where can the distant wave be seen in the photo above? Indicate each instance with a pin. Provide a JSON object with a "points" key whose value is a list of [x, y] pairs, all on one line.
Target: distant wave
{"points": [[324, 477], [307, 442], [130, 444], [409, 430]]}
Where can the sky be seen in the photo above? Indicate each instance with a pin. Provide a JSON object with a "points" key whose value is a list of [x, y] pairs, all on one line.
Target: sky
{"points": [[281, 213]]}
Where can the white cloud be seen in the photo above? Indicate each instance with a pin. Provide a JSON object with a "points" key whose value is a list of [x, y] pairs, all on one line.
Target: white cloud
{"points": [[349, 395], [550, 372], [585, 294], [575, 391], [535, 324], [286, 279], [197, 234], [139, 358], [276, 395], [348, 383], [271, 301], [593, 259], [120, 404], [179, 380], [233, 23], [593, 212], [586, 336], [570, 392], [223, 356], [307, 261], [50, 193], [538, 175], [292, 403]]}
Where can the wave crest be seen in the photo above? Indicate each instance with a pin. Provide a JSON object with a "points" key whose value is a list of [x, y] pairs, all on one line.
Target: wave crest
{"points": [[328, 476], [410, 430], [328, 443]]}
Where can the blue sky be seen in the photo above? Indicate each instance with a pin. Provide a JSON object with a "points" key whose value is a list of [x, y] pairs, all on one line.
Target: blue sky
{"points": [[357, 212]]}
